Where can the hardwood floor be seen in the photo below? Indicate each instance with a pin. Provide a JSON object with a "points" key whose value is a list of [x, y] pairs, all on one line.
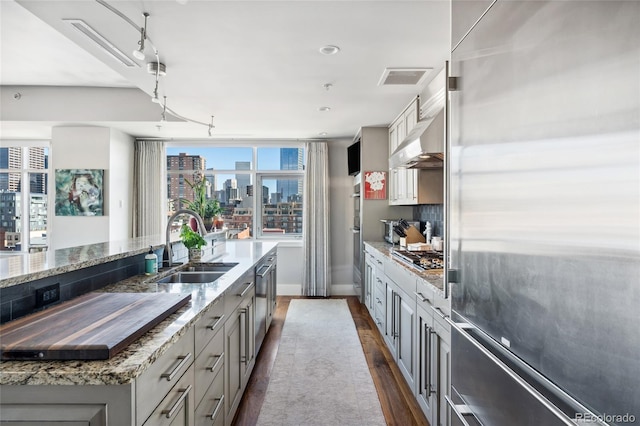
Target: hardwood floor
{"points": [[398, 404]]}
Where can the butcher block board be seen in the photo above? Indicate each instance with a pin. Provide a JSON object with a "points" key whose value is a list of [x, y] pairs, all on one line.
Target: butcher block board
{"points": [[89, 327]]}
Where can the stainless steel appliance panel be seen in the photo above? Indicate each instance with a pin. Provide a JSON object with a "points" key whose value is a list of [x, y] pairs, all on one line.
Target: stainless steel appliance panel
{"points": [[545, 191]]}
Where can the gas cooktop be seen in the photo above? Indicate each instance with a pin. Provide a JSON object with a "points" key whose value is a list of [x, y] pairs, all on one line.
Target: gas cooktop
{"points": [[425, 260]]}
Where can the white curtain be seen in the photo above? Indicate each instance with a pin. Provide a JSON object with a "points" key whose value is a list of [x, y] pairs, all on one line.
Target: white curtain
{"points": [[150, 183], [317, 274]]}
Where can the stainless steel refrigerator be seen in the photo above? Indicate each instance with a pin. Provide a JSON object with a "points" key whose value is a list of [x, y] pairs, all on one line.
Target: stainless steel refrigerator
{"points": [[544, 218]]}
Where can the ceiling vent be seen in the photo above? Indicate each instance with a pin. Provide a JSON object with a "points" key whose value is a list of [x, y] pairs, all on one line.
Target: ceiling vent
{"points": [[102, 42], [406, 76]]}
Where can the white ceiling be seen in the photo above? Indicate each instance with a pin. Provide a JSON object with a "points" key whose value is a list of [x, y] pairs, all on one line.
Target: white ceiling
{"points": [[254, 65]]}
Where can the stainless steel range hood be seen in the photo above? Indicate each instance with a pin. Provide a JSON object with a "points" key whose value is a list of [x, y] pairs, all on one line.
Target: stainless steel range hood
{"points": [[423, 147]]}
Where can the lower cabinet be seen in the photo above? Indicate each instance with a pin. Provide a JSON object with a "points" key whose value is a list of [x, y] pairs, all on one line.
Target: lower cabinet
{"points": [[239, 342], [409, 313], [176, 408], [59, 414]]}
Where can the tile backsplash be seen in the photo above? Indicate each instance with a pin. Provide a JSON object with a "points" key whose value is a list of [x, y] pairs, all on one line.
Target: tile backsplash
{"points": [[433, 213]]}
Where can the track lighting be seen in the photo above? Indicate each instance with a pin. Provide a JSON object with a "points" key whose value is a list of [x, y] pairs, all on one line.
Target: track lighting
{"points": [[157, 68], [139, 53], [164, 111]]}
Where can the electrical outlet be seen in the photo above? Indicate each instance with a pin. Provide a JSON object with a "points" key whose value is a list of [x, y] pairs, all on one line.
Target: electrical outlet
{"points": [[47, 295]]}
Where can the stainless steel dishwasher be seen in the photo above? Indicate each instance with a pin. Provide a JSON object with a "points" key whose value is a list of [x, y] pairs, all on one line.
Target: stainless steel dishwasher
{"points": [[265, 297]]}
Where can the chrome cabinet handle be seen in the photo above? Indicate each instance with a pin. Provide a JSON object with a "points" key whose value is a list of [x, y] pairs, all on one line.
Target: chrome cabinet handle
{"points": [[421, 296], [266, 270], [440, 313], [170, 412], [213, 415], [215, 365], [246, 290], [214, 324], [457, 412], [183, 360], [435, 361]]}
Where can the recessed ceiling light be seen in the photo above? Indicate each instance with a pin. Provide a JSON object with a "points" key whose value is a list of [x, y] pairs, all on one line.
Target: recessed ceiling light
{"points": [[323, 134], [329, 49], [324, 109]]}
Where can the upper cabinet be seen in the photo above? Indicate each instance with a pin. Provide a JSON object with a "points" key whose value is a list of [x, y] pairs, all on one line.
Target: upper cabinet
{"points": [[413, 186], [403, 183]]}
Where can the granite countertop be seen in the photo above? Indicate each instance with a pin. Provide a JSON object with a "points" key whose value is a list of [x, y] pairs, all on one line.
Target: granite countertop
{"points": [[433, 277], [132, 361]]}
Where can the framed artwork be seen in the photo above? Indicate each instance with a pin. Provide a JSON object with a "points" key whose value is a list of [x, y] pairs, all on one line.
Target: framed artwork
{"points": [[79, 192], [375, 185]]}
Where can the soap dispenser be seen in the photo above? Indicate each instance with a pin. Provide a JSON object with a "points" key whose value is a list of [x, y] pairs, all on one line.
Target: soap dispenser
{"points": [[151, 262]]}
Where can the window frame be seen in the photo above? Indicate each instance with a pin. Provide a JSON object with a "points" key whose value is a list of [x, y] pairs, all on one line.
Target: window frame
{"points": [[253, 172], [25, 184]]}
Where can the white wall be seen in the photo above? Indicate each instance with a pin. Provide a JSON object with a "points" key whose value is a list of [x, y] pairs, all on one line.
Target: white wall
{"points": [[91, 148], [120, 185]]}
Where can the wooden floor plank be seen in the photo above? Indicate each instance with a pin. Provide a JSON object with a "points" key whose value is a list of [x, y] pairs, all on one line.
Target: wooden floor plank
{"points": [[398, 404]]}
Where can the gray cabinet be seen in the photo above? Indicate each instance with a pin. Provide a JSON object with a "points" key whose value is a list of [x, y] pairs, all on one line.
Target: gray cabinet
{"points": [[239, 341], [53, 415], [176, 408]]}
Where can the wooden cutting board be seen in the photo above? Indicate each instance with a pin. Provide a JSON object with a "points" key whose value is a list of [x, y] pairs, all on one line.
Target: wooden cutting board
{"points": [[93, 326]]}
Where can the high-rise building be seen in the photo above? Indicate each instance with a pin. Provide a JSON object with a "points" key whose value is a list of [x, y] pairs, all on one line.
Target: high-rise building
{"points": [[290, 159], [177, 188], [11, 158]]}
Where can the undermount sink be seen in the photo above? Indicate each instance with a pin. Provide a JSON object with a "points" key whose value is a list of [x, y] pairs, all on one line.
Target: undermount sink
{"points": [[210, 267], [192, 277]]}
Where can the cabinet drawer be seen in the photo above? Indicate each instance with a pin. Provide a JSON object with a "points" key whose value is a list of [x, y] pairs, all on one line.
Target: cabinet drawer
{"points": [[209, 324], [162, 375], [209, 363], [403, 278], [424, 295], [378, 317], [176, 407], [211, 409], [234, 294]]}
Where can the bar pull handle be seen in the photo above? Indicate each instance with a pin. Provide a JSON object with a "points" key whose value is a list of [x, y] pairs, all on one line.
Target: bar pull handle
{"points": [[246, 290], [215, 365], [214, 324], [440, 313], [266, 270], [170, 412], [213, 415], [182, 361], [421, 296], [456, 410]]}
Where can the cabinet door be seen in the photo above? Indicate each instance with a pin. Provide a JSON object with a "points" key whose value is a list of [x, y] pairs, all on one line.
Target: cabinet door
{"points": [[53, 415], [443, 349], [233, 365], [425, 392], [389, 318], [405, 341], [369, 282]]}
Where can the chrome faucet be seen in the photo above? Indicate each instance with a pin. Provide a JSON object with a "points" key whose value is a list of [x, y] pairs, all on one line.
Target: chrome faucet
{"points": [[201, 230]]}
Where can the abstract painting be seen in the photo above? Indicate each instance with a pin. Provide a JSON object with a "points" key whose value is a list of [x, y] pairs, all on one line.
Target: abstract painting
{"points": [[79, 192]]}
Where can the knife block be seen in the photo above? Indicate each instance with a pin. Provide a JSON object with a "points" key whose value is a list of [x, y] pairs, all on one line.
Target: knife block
{"points": [[414, 236]]}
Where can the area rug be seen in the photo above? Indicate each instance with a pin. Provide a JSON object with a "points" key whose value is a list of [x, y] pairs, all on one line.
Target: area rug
{"points": [[320, 375]]}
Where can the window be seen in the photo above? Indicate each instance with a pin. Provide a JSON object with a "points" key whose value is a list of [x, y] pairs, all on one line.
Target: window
{"points": [[24, 178], [273, 189]]}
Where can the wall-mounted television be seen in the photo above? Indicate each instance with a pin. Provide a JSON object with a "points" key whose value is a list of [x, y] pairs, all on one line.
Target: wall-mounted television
{"points": [[353, 158]]}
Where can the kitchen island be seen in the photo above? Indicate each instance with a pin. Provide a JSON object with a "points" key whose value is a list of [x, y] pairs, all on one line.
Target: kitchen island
{"points": [[216, 325]]}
